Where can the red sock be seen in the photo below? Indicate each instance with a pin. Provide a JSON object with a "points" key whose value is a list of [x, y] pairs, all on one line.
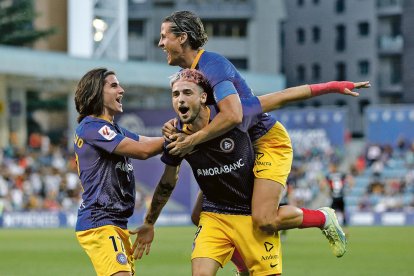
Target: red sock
{"points": [[312, 218], [238, 261]]}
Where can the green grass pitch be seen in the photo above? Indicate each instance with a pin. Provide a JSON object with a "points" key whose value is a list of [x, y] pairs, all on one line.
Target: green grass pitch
{"points": [[371, 251]]}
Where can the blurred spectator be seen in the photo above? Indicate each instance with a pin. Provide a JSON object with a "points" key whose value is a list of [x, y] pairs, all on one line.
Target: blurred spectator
{"points": [[409, 157], [373, 154], [35, 180], [401, 147], [358, 167], [35, 140]]}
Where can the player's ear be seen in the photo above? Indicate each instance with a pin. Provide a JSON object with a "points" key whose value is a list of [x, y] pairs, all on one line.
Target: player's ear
{"points": [[183, 38], [203, 97]]}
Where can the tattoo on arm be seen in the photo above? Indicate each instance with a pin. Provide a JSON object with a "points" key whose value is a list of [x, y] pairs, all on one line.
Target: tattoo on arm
{"points": [[161, 195]]}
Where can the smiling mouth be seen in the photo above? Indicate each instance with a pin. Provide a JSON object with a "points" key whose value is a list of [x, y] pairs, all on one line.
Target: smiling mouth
{"points": [[167, 53]]}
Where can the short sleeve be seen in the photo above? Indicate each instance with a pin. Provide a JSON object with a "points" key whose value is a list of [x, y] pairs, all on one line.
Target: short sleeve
{"points": [[102, 135], [220, 74], [251, 111], [224, 89], [130, 134]]}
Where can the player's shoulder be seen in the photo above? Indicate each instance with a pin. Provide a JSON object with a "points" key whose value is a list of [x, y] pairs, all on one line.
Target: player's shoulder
{"points": [[216, 67], [90, 127], [213, 58]]}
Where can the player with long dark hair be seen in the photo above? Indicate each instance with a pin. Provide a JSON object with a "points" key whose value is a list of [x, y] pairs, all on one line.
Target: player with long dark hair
{"points": [[103, 150]]}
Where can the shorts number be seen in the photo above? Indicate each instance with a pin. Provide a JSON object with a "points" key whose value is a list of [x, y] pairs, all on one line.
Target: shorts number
{"points": [[114, 240]]}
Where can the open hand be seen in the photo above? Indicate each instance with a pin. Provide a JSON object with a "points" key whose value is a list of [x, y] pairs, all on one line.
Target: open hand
{"points": [[357, 85], [145, 236]]}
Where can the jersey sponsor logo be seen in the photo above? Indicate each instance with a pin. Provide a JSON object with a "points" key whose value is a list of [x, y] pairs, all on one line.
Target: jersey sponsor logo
{"points": [[270, 257], [221, 170], [259, 155], [268, 246], [121, 258], [107, 133], [227, 145], [263, 163], [125, 167]]}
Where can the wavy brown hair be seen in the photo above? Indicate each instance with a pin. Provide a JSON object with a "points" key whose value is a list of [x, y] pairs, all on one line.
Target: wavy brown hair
{"points": [[89, 93], [189, 23]]}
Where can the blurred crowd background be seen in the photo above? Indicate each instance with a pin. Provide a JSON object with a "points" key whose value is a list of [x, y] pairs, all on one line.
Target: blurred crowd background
{"points": [[44, 178]]}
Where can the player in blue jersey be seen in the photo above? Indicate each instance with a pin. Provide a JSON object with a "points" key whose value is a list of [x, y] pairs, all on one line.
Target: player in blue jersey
{"points": [[223, 168], [182, 36], [103, 151]]}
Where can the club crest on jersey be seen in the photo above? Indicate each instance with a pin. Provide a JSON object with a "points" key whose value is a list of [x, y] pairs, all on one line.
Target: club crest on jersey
{"points": [[121, 258], [107, 133], [227, 145]]}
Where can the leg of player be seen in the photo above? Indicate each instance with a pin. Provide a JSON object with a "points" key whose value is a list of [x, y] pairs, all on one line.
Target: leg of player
{"points": [[236, 259], [269, 217], [204, 267], [274, 156]]}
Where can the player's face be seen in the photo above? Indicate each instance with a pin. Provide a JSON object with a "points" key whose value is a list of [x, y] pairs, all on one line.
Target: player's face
{"points": [[112, 93], [187, 100], [171, 44]]}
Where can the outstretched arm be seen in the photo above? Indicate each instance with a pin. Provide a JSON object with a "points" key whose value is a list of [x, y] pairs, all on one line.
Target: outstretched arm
{"points": [[143, 149], [275, 100], [145, 233]]}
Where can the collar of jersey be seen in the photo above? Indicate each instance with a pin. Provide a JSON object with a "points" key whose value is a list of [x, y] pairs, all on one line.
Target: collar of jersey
{"points": [[102, 118], [197, 58]]}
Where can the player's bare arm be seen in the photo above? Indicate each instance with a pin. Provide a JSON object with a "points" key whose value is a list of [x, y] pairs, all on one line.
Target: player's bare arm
{"points": [[143, 149], [145, 233], [230, 115], [275, 100]]}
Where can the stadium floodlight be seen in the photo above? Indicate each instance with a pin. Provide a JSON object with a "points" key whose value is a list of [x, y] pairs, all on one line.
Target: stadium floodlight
{"points": [[99, 24]]}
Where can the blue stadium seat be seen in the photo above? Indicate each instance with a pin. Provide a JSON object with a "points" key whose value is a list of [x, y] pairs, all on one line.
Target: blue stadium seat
{"points": [[394, 172]]}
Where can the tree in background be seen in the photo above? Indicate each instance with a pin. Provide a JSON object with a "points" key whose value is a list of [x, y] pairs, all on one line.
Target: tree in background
{"points": [[16, 23]]}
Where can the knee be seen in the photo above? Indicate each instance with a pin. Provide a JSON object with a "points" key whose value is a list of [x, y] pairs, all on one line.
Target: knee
{"points": [[201, 271], [266, 223]]}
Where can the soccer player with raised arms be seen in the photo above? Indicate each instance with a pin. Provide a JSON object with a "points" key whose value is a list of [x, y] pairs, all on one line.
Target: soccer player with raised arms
{"points": [[182, 37], [223, 168], [103, 151]]}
